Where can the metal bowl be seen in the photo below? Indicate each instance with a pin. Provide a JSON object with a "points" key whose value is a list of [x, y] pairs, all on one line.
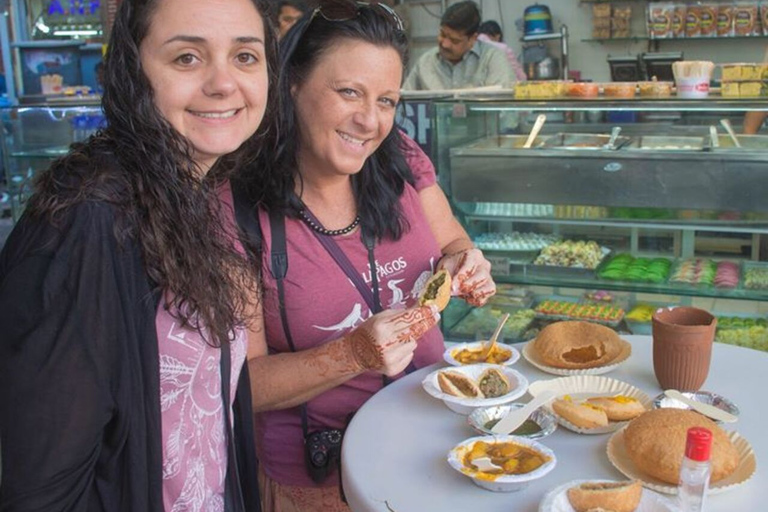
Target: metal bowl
{"points": [[707, 397], [479, 417]]}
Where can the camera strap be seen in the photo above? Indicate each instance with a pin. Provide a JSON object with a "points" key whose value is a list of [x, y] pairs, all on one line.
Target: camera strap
{"points": [[233, 494]]}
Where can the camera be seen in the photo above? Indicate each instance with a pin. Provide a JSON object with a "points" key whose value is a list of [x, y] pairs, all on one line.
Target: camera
{"points": [[322, 450]]}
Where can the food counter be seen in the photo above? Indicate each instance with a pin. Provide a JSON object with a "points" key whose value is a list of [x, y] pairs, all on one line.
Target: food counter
{"points": [[34, 135], [416, 475], [674, 208]]}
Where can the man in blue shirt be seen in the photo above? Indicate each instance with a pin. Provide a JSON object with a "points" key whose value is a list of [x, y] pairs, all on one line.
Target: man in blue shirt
{"points": [[460, 61]]}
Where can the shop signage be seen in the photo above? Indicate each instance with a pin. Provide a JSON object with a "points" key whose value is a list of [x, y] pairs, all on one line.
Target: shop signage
{"points": [[415, 119], [73, 7]]}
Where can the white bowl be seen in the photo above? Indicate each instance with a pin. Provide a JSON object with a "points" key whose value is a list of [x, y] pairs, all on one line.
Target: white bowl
{"points": [[503, 483], [473, 371], [448, 357]]}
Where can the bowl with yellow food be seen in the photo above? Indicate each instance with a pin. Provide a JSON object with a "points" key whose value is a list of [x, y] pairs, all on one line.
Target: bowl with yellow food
{"points": [[473, 353], [520, 461]]}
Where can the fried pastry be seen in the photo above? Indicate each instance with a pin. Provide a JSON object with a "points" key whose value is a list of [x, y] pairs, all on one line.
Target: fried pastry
{"points": [[437, 290], [458, 384], [582, 415], [614, 496], [655, 441], [618, 408], [577, 345]]}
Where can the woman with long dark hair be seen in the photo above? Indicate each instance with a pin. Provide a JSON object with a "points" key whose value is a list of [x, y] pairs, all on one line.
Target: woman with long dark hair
{"points": [[124, 290], [352, 224]]}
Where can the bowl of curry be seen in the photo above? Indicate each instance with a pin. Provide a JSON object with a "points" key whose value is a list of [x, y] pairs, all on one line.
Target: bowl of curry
{"points": [[472, 353], [520, 461]]}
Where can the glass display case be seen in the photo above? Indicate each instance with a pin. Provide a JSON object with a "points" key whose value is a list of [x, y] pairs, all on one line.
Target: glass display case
{"points": [[33, 136], [582, 227]]}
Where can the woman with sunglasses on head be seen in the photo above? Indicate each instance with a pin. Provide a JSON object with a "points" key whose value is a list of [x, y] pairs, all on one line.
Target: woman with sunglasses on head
{"points": [[124, 292], [345, 184]]}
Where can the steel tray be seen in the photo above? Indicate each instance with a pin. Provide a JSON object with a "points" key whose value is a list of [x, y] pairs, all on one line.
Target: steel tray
{"points": [[664, 143], [583, 141]]}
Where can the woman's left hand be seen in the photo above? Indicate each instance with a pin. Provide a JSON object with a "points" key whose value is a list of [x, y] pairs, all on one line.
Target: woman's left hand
{"points": [[471, 274]]}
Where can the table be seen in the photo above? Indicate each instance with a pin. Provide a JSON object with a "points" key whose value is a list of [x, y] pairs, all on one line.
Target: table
{"points": [[394, 452]]}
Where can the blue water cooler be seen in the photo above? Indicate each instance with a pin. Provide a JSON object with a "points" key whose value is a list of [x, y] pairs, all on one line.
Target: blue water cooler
{"points": [[537, 20]]}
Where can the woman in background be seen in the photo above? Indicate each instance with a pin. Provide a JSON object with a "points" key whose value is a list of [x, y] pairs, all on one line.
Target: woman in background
{"points": [[124, 292], [344, 177]]}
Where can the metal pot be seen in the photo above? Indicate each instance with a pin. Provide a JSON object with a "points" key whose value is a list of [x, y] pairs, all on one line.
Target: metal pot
{"points": [[547, 69]]}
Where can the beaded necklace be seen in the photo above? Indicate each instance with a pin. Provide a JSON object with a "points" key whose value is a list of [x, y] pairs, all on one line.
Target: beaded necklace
{"points": [[315, 225]]}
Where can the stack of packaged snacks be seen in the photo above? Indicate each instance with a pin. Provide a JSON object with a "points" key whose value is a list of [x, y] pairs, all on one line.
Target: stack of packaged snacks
{"points": [[620, 21], [679, 14], [744, 80], [601, 20]]}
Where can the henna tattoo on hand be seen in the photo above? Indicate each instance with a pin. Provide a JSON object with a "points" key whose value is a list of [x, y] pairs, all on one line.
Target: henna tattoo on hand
{"points": [[363, 346]]}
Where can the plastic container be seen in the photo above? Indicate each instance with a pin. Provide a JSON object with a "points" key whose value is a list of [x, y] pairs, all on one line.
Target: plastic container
{"points": [[695, 470], [692, 87], [655, 89], [620, 89], [583, 90]]}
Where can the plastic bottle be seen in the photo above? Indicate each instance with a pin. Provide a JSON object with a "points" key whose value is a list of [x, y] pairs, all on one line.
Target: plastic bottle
{"points": [[695, 470]]}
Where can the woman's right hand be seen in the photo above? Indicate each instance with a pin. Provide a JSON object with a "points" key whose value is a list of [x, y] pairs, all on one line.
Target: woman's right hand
{"points": [[385, 342]]}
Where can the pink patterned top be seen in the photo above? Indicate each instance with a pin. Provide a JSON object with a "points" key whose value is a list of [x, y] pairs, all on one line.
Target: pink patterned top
{"points": [[192, 416]]}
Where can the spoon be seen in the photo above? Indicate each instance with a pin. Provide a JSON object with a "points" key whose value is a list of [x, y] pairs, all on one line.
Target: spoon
{"points": [[727, 125], [614, 135], [714, 140], [488, 347], [485, 464], [535, 131], [707, 410], [517, 417]]}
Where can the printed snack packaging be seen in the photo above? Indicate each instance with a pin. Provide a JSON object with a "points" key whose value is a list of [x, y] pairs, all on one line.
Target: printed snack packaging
{"points": [[693, 21], [679, 12], [725, 20], [660, 20], [708, 17], [764, 16], [745, 18]]}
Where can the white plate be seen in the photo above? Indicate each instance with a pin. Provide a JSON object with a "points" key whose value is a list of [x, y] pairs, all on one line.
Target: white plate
{"points": [[556, 500], [473, 371], [580, 387], [619, 457], [455, 349], [532, 357]]}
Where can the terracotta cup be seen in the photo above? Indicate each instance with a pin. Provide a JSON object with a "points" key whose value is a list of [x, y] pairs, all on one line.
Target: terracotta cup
{"points": [[682, 347]]}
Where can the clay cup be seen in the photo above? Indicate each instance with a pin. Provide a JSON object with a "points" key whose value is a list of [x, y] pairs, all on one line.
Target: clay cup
{"points": [[682, 347]]}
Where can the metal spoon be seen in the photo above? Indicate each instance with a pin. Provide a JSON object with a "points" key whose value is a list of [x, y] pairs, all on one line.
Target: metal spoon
{"points": [[614, 135], [727, 125], [707, 410], [488, 347], [535, 131], [714, 140]]}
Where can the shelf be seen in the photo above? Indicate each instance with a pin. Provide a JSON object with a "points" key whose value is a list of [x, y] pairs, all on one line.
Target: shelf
{"points": [[54, 152], [757, 226], [517, 277], [541, 37], [712, 104], [682, 39], [609, 39]]}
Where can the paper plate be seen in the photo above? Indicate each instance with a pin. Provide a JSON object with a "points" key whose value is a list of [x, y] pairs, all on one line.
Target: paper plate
{"points": [[580, 387], [619, 457], [473, 371], [514, 355], [556, 500], [532, 357]]}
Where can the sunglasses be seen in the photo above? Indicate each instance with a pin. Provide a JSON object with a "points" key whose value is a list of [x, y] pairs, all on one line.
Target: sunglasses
{"points": [[345, 10]]}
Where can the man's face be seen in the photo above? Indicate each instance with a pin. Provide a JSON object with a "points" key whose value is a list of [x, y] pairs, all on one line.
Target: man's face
{"points": [[453, 44]]}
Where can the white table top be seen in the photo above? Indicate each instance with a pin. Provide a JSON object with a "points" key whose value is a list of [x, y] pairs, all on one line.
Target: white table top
{"points": [[394, 452]]}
